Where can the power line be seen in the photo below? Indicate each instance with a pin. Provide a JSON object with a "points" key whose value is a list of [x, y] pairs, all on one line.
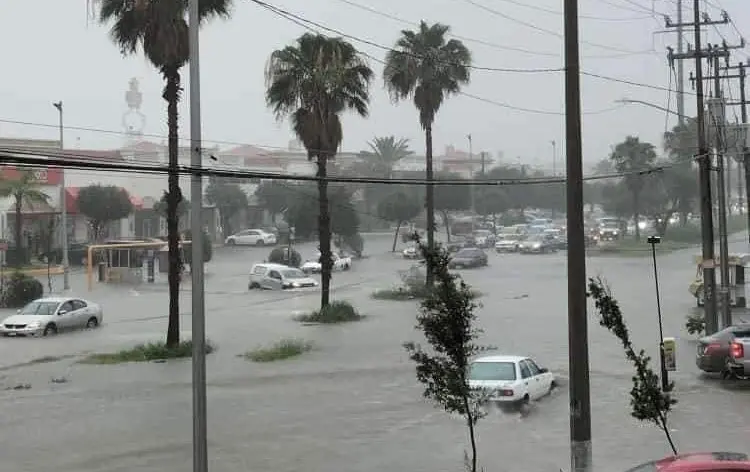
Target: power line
{"points": [[286, 13], [531, 6], [67, 160], [540, 29]]}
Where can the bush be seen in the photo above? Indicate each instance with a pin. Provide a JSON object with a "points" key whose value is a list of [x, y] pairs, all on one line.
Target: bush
{"points": [[280, 255], [281, 350], [20, 289], [695, 324], [335, 312], [145, 353]]}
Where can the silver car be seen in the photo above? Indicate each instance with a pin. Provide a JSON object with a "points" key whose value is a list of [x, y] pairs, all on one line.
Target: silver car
{"points": [[279, 277], [46, 316]]}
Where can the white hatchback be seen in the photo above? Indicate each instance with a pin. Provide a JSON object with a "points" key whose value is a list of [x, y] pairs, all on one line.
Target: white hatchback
{"points": [[510, 379]]}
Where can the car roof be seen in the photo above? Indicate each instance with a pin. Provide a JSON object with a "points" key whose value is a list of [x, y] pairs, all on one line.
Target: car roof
{"points": [[501, 358], [54, 299], [272, 265]]}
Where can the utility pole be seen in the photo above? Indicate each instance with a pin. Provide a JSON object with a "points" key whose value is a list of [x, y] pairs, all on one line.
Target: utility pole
{"points": [[471, 188], [63, 207], [578, 342], [554, 169], [200, 415], [741, 75], [680, 67], [704, 159]]}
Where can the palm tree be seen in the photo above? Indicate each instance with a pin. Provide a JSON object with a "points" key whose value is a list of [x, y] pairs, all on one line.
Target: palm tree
{"points": [[632, 156], [24, 192], [313, 82], [427, 68], [160, 28]]}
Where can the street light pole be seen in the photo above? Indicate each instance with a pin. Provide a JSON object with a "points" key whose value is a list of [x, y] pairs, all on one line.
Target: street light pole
{"points": [[554, 158], [200, 429], [471, 188], [653, 241], [63, 206]]}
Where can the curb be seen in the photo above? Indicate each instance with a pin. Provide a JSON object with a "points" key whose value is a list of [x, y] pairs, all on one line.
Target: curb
{"points": [[53, 270]]}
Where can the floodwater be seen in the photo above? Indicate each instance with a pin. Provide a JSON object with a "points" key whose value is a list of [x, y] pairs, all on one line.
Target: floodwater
{"points": [[353, 403]]}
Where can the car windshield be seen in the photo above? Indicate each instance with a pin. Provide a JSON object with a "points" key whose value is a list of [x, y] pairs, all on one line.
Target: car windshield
{"points": [[492, 371], [293, 274], [39, 308], [467, 253]]}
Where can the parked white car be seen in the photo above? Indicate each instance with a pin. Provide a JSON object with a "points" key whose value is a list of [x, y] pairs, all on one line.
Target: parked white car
{"points": [[251, 237], [508, 242], [340, 262], [278, 277], [47, 316], [511, 380], [411, 252]]}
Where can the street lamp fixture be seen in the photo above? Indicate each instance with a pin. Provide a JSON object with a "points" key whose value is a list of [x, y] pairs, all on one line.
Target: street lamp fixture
{"points": [[653, 241]]}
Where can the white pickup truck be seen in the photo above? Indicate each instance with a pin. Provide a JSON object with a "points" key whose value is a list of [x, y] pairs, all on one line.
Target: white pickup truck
{"points": [[738, 363]]}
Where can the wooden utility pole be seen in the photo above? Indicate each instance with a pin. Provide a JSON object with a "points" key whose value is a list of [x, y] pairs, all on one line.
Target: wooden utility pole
{"points": [[703, 157], [578, 343], [745, 156]]}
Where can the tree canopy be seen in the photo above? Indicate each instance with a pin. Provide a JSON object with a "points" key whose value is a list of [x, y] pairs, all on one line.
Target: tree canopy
{"points": [[229, 198], [103, 204]]}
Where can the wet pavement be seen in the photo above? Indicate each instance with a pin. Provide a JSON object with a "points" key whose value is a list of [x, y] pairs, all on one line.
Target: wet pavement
{"points": [[353, 403]]}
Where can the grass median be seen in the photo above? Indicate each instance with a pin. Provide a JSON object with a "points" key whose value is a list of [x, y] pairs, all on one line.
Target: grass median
{"points": [[157, 351]]}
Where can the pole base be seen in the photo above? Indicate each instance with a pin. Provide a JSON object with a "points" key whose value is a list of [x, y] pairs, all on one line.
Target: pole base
{"points": [[580, 456]]}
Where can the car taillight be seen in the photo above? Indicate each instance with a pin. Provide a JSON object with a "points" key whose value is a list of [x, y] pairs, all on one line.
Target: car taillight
{"points": [[737, 350], [506, 393], [711, 348]]}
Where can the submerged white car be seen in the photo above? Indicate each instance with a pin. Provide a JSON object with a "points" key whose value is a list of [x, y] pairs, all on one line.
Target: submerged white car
{"points": [[411, 252], [512, 380], [46, 316], [278, 277], [339, 263]]}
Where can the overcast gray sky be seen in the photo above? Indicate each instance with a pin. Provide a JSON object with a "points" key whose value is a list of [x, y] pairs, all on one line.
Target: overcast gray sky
{"points": [[51, 52]]}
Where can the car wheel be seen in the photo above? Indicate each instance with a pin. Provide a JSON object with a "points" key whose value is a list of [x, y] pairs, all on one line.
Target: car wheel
{"points": [[252, 286], [50, 329], [260, 242], [231, 242], [92, 323]]}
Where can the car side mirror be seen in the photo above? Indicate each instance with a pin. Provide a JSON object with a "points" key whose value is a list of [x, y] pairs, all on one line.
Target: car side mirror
{"points": [[543, 370], [61, 312]]}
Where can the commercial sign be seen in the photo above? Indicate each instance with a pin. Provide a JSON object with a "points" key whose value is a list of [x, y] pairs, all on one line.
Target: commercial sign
{"points": [[39, 175], [670, 354]]}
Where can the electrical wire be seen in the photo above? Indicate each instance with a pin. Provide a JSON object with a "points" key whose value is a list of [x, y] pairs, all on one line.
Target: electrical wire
{"points": [[66, 160], [538, 28], [583, 17]]}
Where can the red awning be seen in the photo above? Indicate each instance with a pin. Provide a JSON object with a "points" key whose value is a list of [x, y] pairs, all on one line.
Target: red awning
{"points": [[71, 199]]}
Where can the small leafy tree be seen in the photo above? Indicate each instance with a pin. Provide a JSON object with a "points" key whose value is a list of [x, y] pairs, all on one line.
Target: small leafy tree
{"points": [[344, 217], [647, 399], [229, 198], [447, 321], [275, 196], [450, 198], [182, 209], [103, 204], [398, 208]]}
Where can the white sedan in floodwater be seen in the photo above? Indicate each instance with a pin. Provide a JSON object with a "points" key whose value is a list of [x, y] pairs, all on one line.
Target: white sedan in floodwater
{"points": [[514, 380], [340, 262], [47, 316]]}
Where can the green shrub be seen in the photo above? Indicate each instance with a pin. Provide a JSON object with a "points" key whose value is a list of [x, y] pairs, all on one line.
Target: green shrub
{"points": [[695, 324], [281, 350], [145, 353], [334, 312], [281, 255], [20, 289]]}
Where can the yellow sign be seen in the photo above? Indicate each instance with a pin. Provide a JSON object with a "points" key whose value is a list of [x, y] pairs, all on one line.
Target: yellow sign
{"points": [[670, 354]]}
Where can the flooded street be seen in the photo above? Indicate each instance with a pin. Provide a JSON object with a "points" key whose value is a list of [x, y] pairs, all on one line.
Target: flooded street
{"points": [[353, 403]]}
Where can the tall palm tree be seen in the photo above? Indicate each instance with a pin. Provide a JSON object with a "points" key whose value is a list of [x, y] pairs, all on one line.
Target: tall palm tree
{"points": [[427, 68], [24, 192], [630, 157], [313, 82], [160, 29]]}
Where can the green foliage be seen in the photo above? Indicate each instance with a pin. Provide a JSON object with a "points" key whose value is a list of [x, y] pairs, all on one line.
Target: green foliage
{"points": [[229, 198], [279, 351], [182, 208], [281, 255], [490, 200], [275, 196], [20, 289], [447, 320], [344, 217], [452, 197], [335, 312], [102, 204], [187, 248], [695, 324], [647, 399], [353, 243], [399, 208], [24, 192], [302, 212], [146, 352]]}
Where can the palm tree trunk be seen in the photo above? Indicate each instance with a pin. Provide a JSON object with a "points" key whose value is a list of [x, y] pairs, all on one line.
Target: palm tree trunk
{"points": [[324, 233], [429, 198], [395, 236], [20, 252], [174, 197]]}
